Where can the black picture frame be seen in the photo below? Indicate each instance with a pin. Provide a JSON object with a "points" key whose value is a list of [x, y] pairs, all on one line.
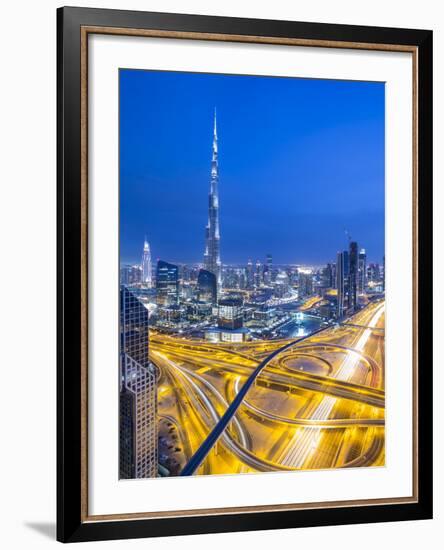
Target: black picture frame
{"points": [[71, 523]]}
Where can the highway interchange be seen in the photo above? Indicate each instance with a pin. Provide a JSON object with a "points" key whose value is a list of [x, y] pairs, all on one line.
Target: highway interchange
{"points": [[318, 404]]}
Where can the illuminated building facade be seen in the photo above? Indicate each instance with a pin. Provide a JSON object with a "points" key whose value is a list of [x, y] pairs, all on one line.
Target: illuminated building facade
{"points": [[282, 284], [146, 265], [258, 275], [212, 261], [305, 287], [250, 275], [268, 269], [374, 274], [167, 284], [362, 271], [216, 335], [230, 313], [342, 283], [353, 276]]}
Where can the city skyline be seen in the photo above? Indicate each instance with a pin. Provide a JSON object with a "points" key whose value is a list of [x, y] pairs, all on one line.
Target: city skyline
{"points": [[234, 356], [314, 245], [331, 259]]}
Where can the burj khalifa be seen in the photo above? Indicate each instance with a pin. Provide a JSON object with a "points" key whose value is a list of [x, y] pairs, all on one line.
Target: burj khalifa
{"points": [[212, 261]]}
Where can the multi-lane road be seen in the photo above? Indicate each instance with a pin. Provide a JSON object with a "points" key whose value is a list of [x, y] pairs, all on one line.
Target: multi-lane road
{"points": [[317, 404]]}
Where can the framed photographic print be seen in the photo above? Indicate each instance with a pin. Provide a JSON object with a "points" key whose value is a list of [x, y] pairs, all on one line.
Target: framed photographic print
{"points": [[244, 284]]}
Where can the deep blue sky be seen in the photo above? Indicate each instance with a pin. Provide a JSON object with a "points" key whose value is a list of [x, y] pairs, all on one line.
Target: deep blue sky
{"points": [[300, 162]]}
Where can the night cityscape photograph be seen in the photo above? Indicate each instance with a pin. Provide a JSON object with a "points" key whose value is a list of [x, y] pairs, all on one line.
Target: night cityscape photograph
{"points": [[252, 274]]}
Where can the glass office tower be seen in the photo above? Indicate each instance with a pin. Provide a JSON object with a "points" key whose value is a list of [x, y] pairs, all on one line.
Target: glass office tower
{"points": [[138, 449]]}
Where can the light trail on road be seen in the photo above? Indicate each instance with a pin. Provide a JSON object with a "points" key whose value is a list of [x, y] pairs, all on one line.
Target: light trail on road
{"points": [[318, 404], [239, 449], [306, 442], [336, 423]]}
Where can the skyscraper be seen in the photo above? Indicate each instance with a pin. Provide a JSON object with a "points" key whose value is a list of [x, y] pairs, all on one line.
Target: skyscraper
{"points": [[305, 287], [353, 276], [250, 275], [130, 275], [362, 270], [268, 268], [167, 284], [207, 287], [212, 235], [342, 282], [258, 274], [134, 338], [230, 313], [146, 265], [327, 280], [374, 273], [282, 284], [138, 449]]}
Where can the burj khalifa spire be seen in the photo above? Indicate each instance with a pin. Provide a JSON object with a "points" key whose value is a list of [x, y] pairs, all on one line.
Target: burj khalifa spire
{"points": [[212, 261]]}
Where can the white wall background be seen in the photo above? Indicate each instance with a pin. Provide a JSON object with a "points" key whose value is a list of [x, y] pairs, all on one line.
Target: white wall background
{"points": [[28, 239]]}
